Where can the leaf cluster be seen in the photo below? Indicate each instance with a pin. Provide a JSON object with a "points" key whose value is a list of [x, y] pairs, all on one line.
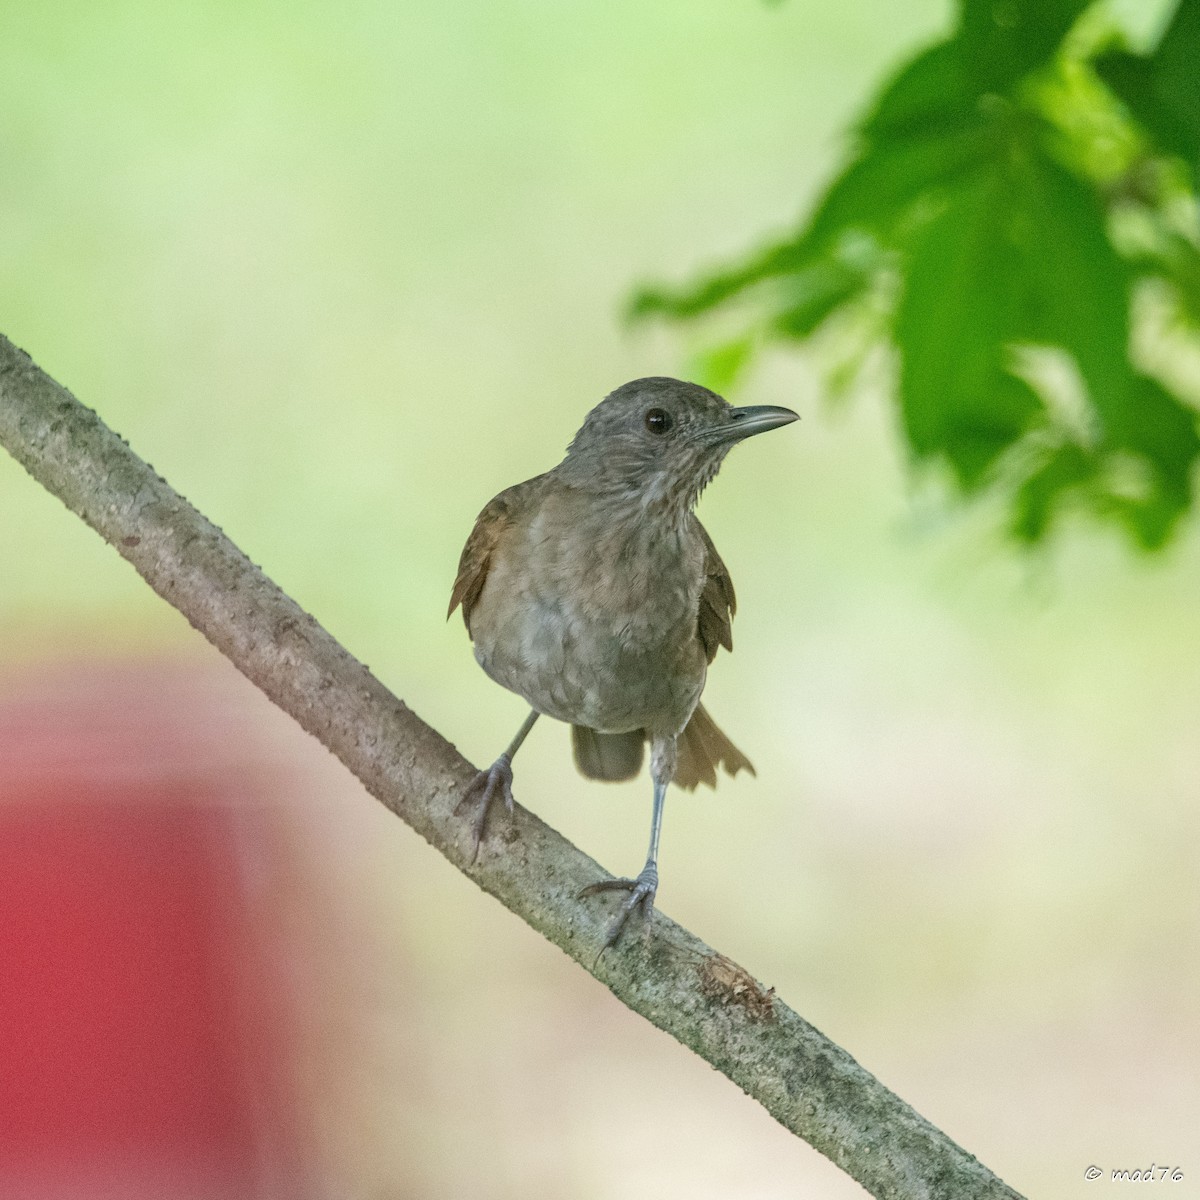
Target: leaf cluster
{"points": [[1018, 218]]}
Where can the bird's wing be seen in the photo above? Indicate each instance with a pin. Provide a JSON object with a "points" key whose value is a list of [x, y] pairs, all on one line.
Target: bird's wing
{"points": [[717, 601], [490, 526]]}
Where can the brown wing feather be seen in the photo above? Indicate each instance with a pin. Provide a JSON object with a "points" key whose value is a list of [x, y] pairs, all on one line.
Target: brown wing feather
{"points": [[717, 601], [490, 525]]}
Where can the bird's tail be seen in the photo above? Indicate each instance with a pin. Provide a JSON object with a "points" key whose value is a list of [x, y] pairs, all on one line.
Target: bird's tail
{"points": [[618, 756], [702, 749], [609, 756]]}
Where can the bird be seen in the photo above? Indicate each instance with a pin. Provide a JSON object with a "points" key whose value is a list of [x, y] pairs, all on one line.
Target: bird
{"points": [[594, 593]]}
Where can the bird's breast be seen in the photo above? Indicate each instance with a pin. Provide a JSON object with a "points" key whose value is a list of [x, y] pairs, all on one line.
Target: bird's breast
{"points": [[594, 621]]}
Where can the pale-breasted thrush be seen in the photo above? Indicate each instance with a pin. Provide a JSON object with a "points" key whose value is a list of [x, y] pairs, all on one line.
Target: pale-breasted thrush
{"points": [[595, 593]]}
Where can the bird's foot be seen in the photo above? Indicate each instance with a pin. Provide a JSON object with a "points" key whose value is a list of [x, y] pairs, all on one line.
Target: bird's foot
{"points": [[641, 891], [495, 782]]}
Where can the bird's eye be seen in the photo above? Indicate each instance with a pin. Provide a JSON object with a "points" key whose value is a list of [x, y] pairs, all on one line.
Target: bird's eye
{"points": [[658, 420]]}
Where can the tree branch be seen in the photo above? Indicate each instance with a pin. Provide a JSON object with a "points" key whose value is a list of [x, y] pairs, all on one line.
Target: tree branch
{"points": [[701, 998]]}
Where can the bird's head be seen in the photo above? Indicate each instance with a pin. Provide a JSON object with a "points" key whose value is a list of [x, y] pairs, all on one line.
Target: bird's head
{"points": [[656, 442]]}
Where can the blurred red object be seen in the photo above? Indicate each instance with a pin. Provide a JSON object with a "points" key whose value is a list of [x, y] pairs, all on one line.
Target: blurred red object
{"points": [[144, 1026]]}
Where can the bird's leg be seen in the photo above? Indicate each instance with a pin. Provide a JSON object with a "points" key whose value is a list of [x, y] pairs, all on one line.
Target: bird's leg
{"points": [[495, 781], [643, 888]]}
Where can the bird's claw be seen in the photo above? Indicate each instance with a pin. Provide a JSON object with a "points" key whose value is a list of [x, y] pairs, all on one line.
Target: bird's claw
{"points": [[642, 891], [495, 781]]}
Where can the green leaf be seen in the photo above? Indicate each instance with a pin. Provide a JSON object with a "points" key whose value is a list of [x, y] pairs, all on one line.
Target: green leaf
{"points": [[1143, 482], [713, 290], [975, 445], [955, 320], [1162, 430], [880, 188], [1040, 497], [1161, 90], [930, 91], [1179, 264], [813, 294], [1003, 40], [1074, 287], [1151, 521]]}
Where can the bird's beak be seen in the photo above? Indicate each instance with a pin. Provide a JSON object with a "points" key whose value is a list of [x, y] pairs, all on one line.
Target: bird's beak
{"points": [[755, 418]]}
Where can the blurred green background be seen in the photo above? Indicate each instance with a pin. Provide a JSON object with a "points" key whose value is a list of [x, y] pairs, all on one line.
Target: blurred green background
{"points": [[342, 272]]}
